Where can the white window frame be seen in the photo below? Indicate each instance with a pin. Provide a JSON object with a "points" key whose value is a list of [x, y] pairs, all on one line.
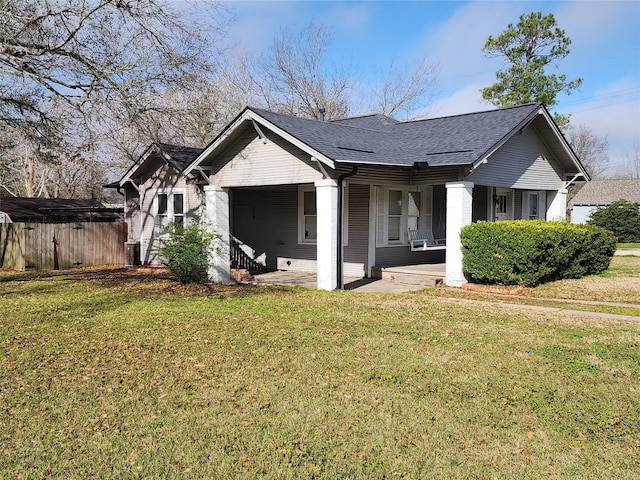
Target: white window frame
{"points": [[170, 215], [302, 189], [345, 221], [382, 213], [541, 207]]}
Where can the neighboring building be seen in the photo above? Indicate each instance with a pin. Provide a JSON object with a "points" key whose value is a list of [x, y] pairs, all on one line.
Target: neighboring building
{"points": [[55, 210], [601, 193], [339, 198]]}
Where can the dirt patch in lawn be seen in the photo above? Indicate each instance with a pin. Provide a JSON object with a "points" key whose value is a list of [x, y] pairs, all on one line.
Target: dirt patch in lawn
{"points": [[499, 289]]}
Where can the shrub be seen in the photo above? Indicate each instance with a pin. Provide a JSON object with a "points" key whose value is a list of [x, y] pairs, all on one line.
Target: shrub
{"points": [[186, 249], [529, 252], [621, 217]]}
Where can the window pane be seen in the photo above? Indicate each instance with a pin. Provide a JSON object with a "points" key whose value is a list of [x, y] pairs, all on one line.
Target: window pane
{"points": [[310, 202], [310, 227], [533, 206], [502, 204], [412, 223], [162, 204], [178, 204], [395, 202], [394, 228]]}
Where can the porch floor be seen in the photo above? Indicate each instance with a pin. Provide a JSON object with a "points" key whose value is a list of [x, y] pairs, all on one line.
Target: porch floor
{"points": [[394, 279]]}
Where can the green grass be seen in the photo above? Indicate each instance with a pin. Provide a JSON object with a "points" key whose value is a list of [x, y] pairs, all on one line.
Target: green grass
{"points": [[115, 375], [628, 245]]}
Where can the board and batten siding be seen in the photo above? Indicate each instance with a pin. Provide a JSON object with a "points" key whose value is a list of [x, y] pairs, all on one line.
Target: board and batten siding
{"points": [[266, 221], [402, 255], [163, 179], [250, 162], [523, 162], [396, 255], [400, 176], [356, 250]]}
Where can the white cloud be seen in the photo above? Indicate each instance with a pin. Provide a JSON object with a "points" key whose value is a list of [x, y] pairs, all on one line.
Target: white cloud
{"points": [[465, 100], [457, 43], [257, 22], [613, 112], [353, 21], [593, 23]]}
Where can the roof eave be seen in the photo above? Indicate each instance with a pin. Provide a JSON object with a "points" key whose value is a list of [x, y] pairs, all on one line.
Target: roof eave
{"points": [[129, 173], [540, 110], [565, 144], [481, 159]]}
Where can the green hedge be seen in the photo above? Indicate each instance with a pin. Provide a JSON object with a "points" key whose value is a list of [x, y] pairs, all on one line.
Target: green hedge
{"points": [[530, 252], [621, 217]]}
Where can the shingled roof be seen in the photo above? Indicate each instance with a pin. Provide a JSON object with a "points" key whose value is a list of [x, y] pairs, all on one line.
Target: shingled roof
{"points": [[446, 141], [605, 192], [178, 155], [22, 209]]}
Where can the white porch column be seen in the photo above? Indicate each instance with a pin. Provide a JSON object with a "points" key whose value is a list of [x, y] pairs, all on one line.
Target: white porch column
{"points": [[327, 242], [557, 208], [459, 201], [217, 218]]}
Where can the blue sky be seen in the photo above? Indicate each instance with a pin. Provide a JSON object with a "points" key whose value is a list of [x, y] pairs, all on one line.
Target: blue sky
{"points": [[605, 49]]}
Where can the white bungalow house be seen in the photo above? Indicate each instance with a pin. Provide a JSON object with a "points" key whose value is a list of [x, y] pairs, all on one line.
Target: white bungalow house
{"points": [[345, 197]]}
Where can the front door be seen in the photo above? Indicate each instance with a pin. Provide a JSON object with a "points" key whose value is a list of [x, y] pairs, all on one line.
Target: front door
{"points": [[503, 209]]}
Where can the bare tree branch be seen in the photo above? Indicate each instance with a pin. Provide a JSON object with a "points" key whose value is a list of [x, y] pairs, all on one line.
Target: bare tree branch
{"points": [[590, 149]]}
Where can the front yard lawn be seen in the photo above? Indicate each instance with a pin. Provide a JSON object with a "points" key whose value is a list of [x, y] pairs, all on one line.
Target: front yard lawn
{"points": [[114, 374]]}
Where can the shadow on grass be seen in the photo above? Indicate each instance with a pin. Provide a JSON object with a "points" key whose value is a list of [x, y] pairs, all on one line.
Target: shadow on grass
{"points": [[137, 282]]}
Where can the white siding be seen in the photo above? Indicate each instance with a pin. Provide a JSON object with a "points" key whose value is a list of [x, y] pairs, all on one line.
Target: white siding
{"points": [[250, 162], [581, 213], [524, 162]]}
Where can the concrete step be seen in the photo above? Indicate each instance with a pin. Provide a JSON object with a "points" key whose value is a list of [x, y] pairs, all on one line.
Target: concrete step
{"points": [[412, 276]]}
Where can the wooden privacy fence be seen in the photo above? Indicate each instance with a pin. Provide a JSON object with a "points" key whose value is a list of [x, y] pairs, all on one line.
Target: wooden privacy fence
{"points": [[52, 246]]}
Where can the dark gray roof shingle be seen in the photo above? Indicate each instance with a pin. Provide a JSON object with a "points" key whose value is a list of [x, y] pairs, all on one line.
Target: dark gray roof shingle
{"points": [[447, 141], [21, 209], [605, 192], [180, 156]]}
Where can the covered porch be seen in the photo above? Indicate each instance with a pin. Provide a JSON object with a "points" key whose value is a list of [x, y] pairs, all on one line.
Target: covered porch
{"points": [[295, 230]]}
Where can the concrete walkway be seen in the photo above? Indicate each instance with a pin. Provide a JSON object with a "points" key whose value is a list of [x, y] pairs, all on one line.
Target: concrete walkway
{"points": [[628, 251], [364, 285], [559, 310]]}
